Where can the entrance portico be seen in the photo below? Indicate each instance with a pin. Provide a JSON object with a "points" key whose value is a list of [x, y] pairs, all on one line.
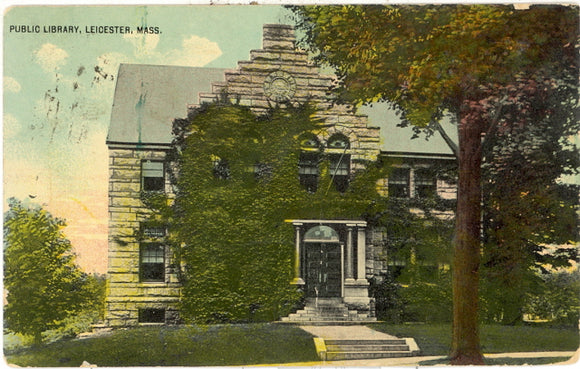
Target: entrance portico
{"points": [[331, 260]]}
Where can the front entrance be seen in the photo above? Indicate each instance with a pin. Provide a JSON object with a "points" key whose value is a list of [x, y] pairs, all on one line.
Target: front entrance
{"points": [[323, 269]]}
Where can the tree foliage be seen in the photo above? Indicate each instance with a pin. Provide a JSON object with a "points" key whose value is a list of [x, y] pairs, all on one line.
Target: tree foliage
{"points": [[236, 182], [45, 287], [525, 206], [431, 59], [559, 299]]}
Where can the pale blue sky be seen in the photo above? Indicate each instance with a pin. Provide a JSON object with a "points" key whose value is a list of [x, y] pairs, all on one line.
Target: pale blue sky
{"points": [[57, 108]]}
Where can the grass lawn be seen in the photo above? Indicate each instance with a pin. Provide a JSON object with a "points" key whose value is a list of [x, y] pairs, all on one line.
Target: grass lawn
{"points": [[251, 344], [435, 339], [178, 346]]}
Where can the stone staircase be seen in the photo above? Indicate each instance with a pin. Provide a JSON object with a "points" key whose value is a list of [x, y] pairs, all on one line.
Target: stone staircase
{"points": [[346, 349], [327, 311]]}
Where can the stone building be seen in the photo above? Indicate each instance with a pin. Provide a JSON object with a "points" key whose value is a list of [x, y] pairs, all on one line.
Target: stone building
{"points": [[142, 283]]}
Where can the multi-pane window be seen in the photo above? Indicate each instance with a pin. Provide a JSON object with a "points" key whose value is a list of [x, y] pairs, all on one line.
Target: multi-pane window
{"points": [[152, 176], [308, 171], [399, 182], [151, 316], [425, 183], [152, 266], [339, 170]]}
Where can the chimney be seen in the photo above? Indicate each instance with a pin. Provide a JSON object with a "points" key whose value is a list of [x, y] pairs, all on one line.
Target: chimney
{"points": [[278, 37]]}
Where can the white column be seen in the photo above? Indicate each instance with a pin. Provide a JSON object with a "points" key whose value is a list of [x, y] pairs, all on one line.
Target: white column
{"points": [[297, 274], [361, 254], [349, 260]]}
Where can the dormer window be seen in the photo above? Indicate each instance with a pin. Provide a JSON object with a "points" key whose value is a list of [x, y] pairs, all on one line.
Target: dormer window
{"points": [[152, 176]]}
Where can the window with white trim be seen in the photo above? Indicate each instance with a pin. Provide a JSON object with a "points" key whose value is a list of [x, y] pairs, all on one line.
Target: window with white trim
{"points": [[152, 265], [152, 176]]}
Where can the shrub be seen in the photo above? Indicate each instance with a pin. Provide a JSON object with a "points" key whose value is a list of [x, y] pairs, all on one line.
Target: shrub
{"points": [[388, 303]]}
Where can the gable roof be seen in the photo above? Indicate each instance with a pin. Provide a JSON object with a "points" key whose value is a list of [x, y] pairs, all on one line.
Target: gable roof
{"points": [[397, 140], [149, 97]]}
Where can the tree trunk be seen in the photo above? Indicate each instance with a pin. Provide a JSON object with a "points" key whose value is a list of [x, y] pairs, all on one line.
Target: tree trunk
{"points": [[465, 348]]}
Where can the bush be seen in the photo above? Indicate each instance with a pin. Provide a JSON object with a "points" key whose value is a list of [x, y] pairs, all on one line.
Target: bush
{"points": [[427, 302], [389, 306], [71, 327], [558, 300]]}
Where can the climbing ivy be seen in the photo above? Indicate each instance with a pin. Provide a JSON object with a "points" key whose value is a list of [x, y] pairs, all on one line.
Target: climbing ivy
{"points": [[236, 182]]}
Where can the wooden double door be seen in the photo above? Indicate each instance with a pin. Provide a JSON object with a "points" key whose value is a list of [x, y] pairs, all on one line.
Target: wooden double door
{"points": [[323, 269]]}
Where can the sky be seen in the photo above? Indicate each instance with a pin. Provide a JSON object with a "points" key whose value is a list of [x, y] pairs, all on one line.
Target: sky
{"points": [[58, 91]]}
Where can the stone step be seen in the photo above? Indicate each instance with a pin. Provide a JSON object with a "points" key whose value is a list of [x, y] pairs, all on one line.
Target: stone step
{"points": [[316, 318], [327, 310], [365, 347], [321, 311], [330, 308], [347, 342], [345, 316], [331, 356]]}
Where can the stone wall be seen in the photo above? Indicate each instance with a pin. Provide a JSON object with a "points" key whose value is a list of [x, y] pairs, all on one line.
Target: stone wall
{"points": [[126, 294]]}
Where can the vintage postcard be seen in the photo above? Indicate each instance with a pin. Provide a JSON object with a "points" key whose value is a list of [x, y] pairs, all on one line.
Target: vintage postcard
{"points": [[242, 185]]}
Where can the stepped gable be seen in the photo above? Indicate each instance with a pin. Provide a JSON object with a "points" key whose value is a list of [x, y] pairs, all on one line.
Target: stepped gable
{"points": [[281, 75]]}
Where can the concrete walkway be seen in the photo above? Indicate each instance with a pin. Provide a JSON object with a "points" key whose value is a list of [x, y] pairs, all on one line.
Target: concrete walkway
{"points": [[415, 360], [363, 332], [349, 332]]}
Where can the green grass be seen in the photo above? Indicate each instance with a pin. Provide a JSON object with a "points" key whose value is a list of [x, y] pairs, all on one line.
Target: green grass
{"points": [[435, 339], [250, 344], [178, 346]]}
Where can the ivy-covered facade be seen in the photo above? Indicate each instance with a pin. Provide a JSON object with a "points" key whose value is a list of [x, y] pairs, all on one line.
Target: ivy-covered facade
{"points": [[334, 258]]}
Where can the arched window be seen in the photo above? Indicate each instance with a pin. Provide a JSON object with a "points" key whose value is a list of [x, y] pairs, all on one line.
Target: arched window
{"points": [[309, 141], [338, 141], [321, 233]]}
